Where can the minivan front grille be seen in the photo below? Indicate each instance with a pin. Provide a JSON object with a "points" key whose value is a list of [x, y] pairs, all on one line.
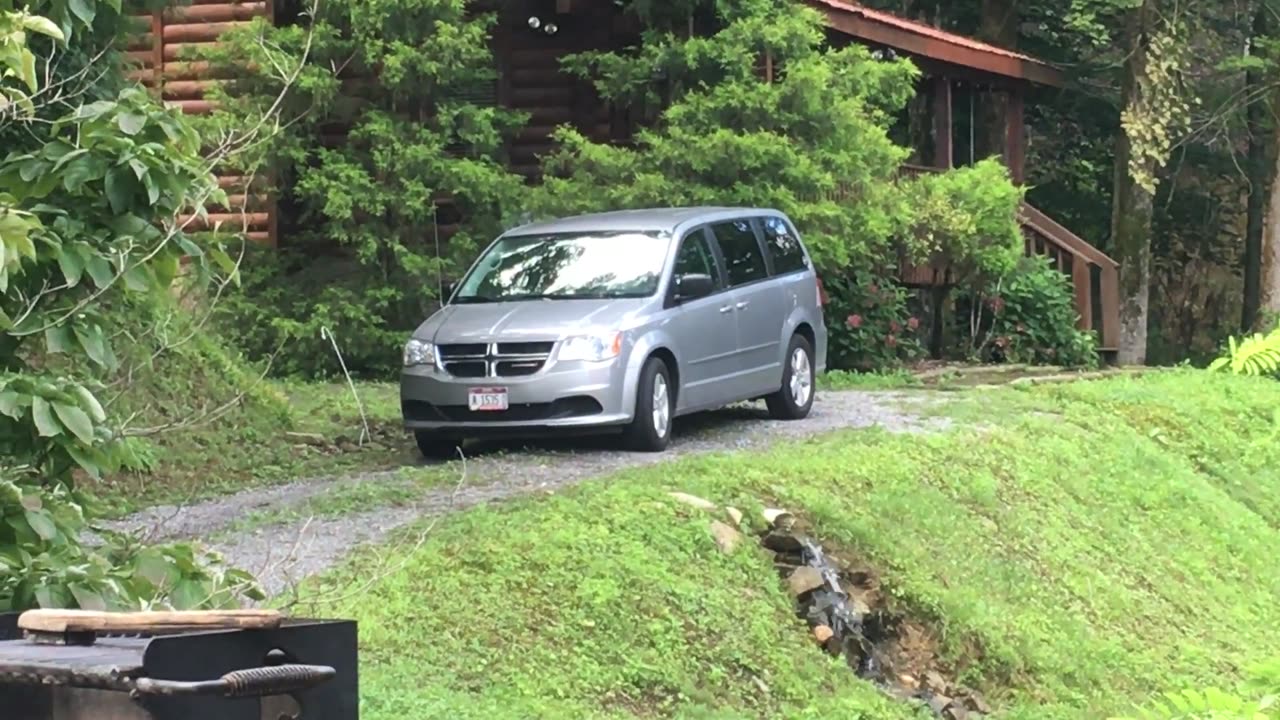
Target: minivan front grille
{"points": [[477, 360]]}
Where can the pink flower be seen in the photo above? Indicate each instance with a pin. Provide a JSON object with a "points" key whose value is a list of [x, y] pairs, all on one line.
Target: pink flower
{"points": [[854, 321], [894, 327], [913, 323]]}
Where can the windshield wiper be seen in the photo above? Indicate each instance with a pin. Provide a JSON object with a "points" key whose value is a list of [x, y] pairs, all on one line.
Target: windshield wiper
{"points": [[476, 299]]}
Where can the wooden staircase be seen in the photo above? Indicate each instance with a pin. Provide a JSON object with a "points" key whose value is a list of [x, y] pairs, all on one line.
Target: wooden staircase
{"points": [[161, 56]]}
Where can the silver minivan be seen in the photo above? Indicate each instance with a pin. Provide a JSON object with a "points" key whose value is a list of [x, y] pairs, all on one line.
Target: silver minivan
{"points": [[619, 321]]}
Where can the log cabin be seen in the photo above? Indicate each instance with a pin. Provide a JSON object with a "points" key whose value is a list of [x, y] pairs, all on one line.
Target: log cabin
{"points": [[529, 79]]}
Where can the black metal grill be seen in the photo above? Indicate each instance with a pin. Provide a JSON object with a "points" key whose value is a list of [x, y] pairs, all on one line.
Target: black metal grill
{"points": [[302, 670], [479, 360]]}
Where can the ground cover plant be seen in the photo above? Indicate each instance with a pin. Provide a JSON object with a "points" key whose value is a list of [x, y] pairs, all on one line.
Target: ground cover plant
{"points": [[1079, 549]]}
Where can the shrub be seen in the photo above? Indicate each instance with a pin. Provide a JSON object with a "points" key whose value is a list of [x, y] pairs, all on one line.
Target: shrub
{"points": [[1258, 355], [1030, 318], [869, 325]]}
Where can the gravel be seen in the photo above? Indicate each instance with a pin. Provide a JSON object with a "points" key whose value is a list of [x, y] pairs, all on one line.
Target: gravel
{"points": [[282, 554]]}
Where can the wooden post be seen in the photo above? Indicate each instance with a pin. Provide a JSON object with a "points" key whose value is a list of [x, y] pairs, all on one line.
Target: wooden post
{"points": [[1082, 279], [943, 145], [1015, 136], [768, 66]]}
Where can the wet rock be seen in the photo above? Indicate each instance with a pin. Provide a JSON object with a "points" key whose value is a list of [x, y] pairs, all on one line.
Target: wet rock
{"points": [[805, 579], [908, 682], [823, 634], [956, 711], [780, 542], [939, 704], [978, 704], [694, 501], [735, 515], [779, 519], [934, 682], [726, 537]]}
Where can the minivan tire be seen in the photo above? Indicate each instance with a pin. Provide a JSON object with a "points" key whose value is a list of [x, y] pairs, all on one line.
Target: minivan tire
{"points": [[435, 446], [784, 405], [643, 433]]}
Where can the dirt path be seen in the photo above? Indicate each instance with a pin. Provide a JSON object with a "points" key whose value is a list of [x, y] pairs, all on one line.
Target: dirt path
{"points": [[280, 554]]}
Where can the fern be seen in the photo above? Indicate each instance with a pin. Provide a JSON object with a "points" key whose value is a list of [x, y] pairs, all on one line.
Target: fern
{"points": [[1258, 355], [1210, 704]]}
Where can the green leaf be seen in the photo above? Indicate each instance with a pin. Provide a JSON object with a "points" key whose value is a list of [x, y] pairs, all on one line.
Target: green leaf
{"points": [[83, 9], [12, 404], [42, 522], [42, 25], [90, 404], [27, 70], [131, 124], [72, 265], [42, 412], [100, 270], [88, 599], [94, 343], [86, 458], [59, 339], [52, 597], [188, 595], [31, 501], [139, 278], [120, 185], [155, 569], [75, 420]]}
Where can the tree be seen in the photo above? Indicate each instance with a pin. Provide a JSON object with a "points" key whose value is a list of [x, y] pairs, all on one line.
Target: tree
{"points": [[91, 201]]}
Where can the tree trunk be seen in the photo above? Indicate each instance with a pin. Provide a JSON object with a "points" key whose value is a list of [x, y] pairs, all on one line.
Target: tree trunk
{"points": [[1132, 205], [999, 27], [1269, 250], [1257, 173]]}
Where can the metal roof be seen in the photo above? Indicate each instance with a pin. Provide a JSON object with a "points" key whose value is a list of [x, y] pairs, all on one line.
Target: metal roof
{"points": [[917, 38]]}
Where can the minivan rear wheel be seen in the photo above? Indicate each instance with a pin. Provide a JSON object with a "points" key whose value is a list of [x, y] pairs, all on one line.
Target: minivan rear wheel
{"points": [[794, 399], [435, 446], [650, 429]]}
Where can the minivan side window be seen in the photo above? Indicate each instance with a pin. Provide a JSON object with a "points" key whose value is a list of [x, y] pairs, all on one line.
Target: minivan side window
{"points": [[696, 256], [741, 250], [788, 254]]}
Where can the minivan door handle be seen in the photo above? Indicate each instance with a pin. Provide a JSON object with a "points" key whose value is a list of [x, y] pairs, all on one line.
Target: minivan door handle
{"points": [[742, 305], [726, 309]]}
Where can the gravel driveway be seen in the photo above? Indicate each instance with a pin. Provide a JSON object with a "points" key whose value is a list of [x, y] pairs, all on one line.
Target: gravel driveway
{"points": [[281, 554]]}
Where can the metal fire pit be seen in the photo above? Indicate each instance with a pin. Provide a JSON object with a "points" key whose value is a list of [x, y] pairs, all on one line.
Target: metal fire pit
{"points": [[299, 670]]}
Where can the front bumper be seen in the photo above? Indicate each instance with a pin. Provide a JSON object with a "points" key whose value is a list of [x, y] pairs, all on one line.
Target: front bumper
{"points": [[565, 396]]}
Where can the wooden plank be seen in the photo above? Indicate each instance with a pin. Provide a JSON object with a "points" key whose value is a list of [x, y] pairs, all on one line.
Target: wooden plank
{"points": [[196, 32], [63, 621], [188, 89], [1110, 331], [228, 222], [1082, 281], [157, 49], [1015, 136], [193, 107], [222, 12]]}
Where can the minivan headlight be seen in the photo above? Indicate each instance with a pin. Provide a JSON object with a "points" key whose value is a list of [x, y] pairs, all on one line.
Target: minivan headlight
{"points": [[591, 348], [417, 352]]}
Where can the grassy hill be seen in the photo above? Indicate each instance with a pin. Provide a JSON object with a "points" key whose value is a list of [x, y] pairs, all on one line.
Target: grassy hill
{"points": [[1072, 549]]}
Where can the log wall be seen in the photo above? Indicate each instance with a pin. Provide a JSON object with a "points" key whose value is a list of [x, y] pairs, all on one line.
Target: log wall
{"points": [[161, 62]]}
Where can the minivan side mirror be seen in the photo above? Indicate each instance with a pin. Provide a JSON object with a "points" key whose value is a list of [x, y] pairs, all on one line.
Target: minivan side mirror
{"points": [[692, 286], [446, 290]]}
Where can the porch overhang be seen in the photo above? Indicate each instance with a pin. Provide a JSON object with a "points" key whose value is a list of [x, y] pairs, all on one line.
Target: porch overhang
{"points": [[920, 40]]}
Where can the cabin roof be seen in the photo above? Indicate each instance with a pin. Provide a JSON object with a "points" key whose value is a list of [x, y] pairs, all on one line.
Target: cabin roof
{"points": [[917, 38]]}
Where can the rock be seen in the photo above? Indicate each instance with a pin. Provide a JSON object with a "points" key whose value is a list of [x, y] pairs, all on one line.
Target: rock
{"points": [[978, 704], [956, 711], [939, 704], [735, 515], [822, 634], [781, 543], [726, 537], [934, 682], [804, 579], [779, 519], [909, 682], [694, 501], [348, 447]]}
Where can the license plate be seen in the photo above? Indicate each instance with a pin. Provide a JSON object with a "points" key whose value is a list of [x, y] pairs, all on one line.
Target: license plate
{"points": [[487, 399]]}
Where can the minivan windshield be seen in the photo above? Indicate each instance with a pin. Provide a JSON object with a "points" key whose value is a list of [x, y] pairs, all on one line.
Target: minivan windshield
{"points": [[562, 266]]}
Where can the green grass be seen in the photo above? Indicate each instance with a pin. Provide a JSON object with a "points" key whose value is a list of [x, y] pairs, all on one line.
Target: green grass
{"points": [[1089, 545], [847, 380]]}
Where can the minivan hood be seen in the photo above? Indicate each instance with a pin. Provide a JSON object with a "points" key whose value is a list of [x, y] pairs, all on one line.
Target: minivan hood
{"points": [[527, 320]]}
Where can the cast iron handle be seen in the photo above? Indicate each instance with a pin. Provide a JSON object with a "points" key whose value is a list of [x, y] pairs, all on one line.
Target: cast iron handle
{"points": [[254, 682]]}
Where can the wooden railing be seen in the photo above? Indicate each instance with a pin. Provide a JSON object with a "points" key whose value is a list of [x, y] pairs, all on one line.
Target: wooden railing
{"points": [[1094, 276]]}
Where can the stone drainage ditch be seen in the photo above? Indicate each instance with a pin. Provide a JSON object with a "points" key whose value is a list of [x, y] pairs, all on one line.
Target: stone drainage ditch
{"points": [[849, 616]]}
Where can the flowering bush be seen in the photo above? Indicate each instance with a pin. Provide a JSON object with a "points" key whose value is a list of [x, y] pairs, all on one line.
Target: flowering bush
{"points": [[869, 324], [1031, 318]]}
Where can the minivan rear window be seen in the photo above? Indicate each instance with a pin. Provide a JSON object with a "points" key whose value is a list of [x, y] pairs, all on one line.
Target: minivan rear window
{"points": [[784, 246], [741, 250]]}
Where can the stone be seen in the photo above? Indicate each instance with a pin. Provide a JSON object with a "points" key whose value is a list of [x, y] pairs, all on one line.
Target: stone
{"points": [[781, 543], [804, 579], [939, 703], [694, 501], [956, 711], [735, 515], [823, 634], [726, 537], [909, 682], [780, 519], [934, 682], [978, 704]]}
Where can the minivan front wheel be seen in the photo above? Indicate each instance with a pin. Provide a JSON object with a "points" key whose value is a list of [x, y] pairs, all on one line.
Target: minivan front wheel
{"points": [[795, 398], [650, 429]]}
